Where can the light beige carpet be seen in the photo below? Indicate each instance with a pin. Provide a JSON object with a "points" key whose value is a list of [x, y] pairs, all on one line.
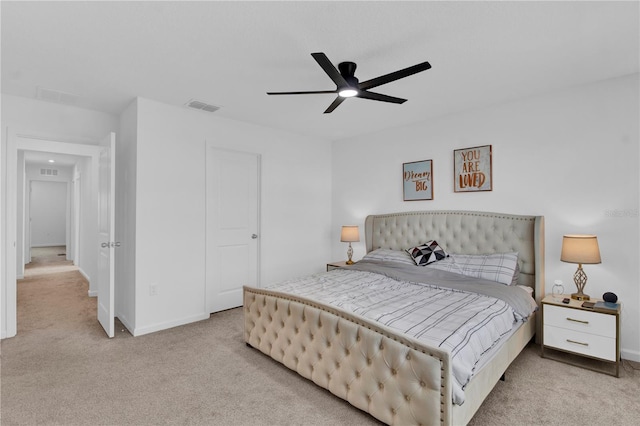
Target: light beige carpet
{"points": [[62, 369], [48, 260]]}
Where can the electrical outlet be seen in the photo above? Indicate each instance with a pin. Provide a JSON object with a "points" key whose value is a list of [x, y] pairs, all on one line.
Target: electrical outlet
{"points": [[153, 289]]}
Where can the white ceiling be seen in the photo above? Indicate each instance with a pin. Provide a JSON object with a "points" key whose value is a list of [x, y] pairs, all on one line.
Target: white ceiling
{"points": [[231, 53], [60, 161]]}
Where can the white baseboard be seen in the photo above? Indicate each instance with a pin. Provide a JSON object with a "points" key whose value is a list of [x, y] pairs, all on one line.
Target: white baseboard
{"points": [[48, 245], [84, 274], [91, 293], [630, 355], [127, 324], [169, 324]]}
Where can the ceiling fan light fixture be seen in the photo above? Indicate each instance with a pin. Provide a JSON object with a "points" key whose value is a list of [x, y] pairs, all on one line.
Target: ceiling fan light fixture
{"points": [[348, 86], [347, 92]]}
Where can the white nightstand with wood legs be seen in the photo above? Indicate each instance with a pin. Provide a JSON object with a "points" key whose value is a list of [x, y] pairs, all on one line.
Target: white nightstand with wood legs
{"points": [[581, 331]]}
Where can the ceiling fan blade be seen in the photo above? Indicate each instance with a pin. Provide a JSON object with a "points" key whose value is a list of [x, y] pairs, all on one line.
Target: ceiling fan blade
{"points": [[334, 104], [314, 92], [380, 97], [388, 78], [328, 67]]}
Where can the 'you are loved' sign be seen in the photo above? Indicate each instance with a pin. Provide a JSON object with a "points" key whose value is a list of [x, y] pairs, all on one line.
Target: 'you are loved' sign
{"points": [[472, 169]]}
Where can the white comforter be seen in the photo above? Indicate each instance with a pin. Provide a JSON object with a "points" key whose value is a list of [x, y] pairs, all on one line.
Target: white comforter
{"points": [[465, 324]]}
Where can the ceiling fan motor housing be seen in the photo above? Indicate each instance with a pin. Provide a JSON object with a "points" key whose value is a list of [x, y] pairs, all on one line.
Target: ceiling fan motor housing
{"points": [[347, 71]]}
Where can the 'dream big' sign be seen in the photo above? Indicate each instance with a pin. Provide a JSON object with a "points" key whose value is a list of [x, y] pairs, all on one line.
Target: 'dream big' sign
{"points": [[417, 180], [472, 169]]}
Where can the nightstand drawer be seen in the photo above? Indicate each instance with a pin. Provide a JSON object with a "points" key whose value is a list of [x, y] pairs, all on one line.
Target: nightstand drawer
{"points": [[580, 320], [581, 343]]}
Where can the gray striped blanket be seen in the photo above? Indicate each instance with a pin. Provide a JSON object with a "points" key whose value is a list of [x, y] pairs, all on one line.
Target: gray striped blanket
{"points": [[466, 323]]}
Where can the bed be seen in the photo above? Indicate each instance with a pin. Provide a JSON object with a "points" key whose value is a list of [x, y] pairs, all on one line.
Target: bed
{"points": [[395, 376]]}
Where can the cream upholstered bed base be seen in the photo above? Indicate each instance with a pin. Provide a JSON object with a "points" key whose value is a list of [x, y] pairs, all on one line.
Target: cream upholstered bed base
{"points": [[395, 378]]}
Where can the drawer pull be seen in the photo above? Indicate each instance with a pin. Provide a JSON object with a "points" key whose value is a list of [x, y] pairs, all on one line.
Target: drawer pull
{"points": [[575, 320], [577, 343]]}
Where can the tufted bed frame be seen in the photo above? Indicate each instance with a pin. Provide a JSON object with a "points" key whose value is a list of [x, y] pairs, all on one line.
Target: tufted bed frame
{"points": [[396, 378]]}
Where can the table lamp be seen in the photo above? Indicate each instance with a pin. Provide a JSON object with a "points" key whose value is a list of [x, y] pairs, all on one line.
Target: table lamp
{"points": [[580, 249], [350, 234]]}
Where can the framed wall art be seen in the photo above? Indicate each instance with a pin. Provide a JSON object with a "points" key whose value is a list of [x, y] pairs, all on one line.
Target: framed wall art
{"points": [[472, 169], [417, 180]]}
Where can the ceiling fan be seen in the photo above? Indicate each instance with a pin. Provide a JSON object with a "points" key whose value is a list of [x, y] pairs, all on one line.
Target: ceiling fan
{"points": [[347, 85]]}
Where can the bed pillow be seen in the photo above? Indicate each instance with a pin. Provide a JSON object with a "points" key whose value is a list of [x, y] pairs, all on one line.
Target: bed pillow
{"points": [[427, 253], [498, 267], [388, 255]]}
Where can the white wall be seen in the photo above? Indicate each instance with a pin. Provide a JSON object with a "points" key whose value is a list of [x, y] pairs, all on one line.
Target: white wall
{"points": [[53, 121], [125, 255], [571, 156], [48, 213], [87, 260], [170, 207], [33, 178], [22, 202]]}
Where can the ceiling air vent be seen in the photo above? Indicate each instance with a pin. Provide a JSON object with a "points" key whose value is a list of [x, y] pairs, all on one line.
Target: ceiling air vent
{"points": [[203, 106], [56, 96], [49, 172]]}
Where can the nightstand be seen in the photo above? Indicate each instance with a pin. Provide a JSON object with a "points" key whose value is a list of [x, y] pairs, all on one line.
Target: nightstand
{"points": [[336, 265], [586, 332]]}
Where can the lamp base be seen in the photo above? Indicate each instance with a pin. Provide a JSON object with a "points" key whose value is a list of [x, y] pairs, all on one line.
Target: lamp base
{"points": [[580, 278], [580, 296], [349, 255]]}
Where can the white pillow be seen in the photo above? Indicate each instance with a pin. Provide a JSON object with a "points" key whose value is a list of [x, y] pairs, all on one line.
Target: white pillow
{"points": [[388, 255], [498, 267]]}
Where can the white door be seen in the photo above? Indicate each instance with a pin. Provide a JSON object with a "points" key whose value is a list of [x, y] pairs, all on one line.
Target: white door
{"points": [[106, 228], [231, 226]]}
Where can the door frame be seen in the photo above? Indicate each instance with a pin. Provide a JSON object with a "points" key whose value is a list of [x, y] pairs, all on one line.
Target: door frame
{"points": [[27, 237], [17, 141]]}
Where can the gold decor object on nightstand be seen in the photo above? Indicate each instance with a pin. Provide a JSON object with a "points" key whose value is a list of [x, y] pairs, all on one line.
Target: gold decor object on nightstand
{"points": [[350, 234], [580, 249]]}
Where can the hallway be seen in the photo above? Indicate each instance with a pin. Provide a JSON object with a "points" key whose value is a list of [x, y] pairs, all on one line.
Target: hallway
{"points": [[54, 294]]}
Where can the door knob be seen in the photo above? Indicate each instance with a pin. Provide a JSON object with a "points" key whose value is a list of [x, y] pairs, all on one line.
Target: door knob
{"points": [[110, 244], [254, 236]]}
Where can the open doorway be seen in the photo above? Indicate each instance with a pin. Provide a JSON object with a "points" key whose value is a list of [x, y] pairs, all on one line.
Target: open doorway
{"points": [[50, 204], [97, 219], [53, 289], [47, 216]]}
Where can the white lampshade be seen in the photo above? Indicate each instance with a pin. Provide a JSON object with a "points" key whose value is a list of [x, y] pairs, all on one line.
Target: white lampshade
{"points": [[349, 234], [580, 249]]}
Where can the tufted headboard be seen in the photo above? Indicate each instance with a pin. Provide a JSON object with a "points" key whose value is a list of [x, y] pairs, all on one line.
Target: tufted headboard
{"points": [[466, 232]]}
